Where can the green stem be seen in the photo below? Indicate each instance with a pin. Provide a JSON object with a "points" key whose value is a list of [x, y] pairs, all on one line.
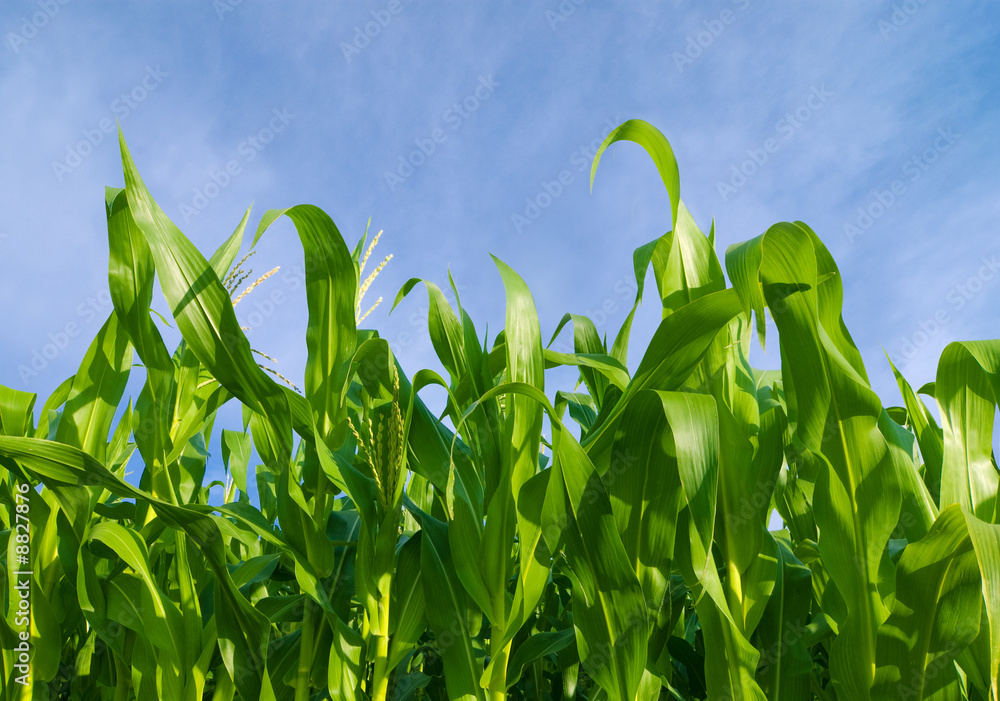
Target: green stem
{"points": [[734, 595], [497, 690], [307, 641], [498, 683], [305, 654], [380, 685]]}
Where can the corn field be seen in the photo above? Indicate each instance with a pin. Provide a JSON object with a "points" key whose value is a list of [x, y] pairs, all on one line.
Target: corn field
{"points": [[607, 543]]}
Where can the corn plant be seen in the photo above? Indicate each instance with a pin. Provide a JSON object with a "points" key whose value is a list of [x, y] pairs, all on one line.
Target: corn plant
{"points": [[609, 542]]}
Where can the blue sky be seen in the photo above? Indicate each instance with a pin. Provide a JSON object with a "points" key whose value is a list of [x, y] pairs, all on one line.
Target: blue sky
{"points": [[464, 129]]}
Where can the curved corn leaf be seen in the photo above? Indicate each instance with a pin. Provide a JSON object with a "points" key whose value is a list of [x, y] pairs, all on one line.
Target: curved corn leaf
{"points": [[857, 499], [677, 347], [443, 327], [131, 279], [202, 308], [331, 291], [97, 389], [986, 541], [967, 391], [656, 144], [16, 409], [934, 617], [684, 260]]}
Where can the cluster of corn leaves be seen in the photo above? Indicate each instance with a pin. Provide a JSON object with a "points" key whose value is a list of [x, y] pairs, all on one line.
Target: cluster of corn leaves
{"points": [[607, 543]]}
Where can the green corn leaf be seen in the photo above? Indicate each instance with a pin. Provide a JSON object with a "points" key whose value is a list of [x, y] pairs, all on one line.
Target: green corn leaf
{"points": [[641, 258], [190, 611], [236, 456], [46, 636], [202, 308], [243, 629], [224, 256], [598, 365], [785, 663], [650, 138], [731, 660], [430, 442], [857, 496], [444, 329], [16, 409], [929, 434], [525, 363], [346, 664], [728, 674], [164, 621], [684, 260], [408, 611], [536, 647], [743, 261], [586, 341], [677, 347], [131, 279], [331, 291], [256, 569], [308, 541], [48, 418], [967, 391], [522, 429], [934, 617], [918, 509], [750, 458], [610, 613], [645, 491], [446, 604], [685, 264], [986, 541], [581, 408]]}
